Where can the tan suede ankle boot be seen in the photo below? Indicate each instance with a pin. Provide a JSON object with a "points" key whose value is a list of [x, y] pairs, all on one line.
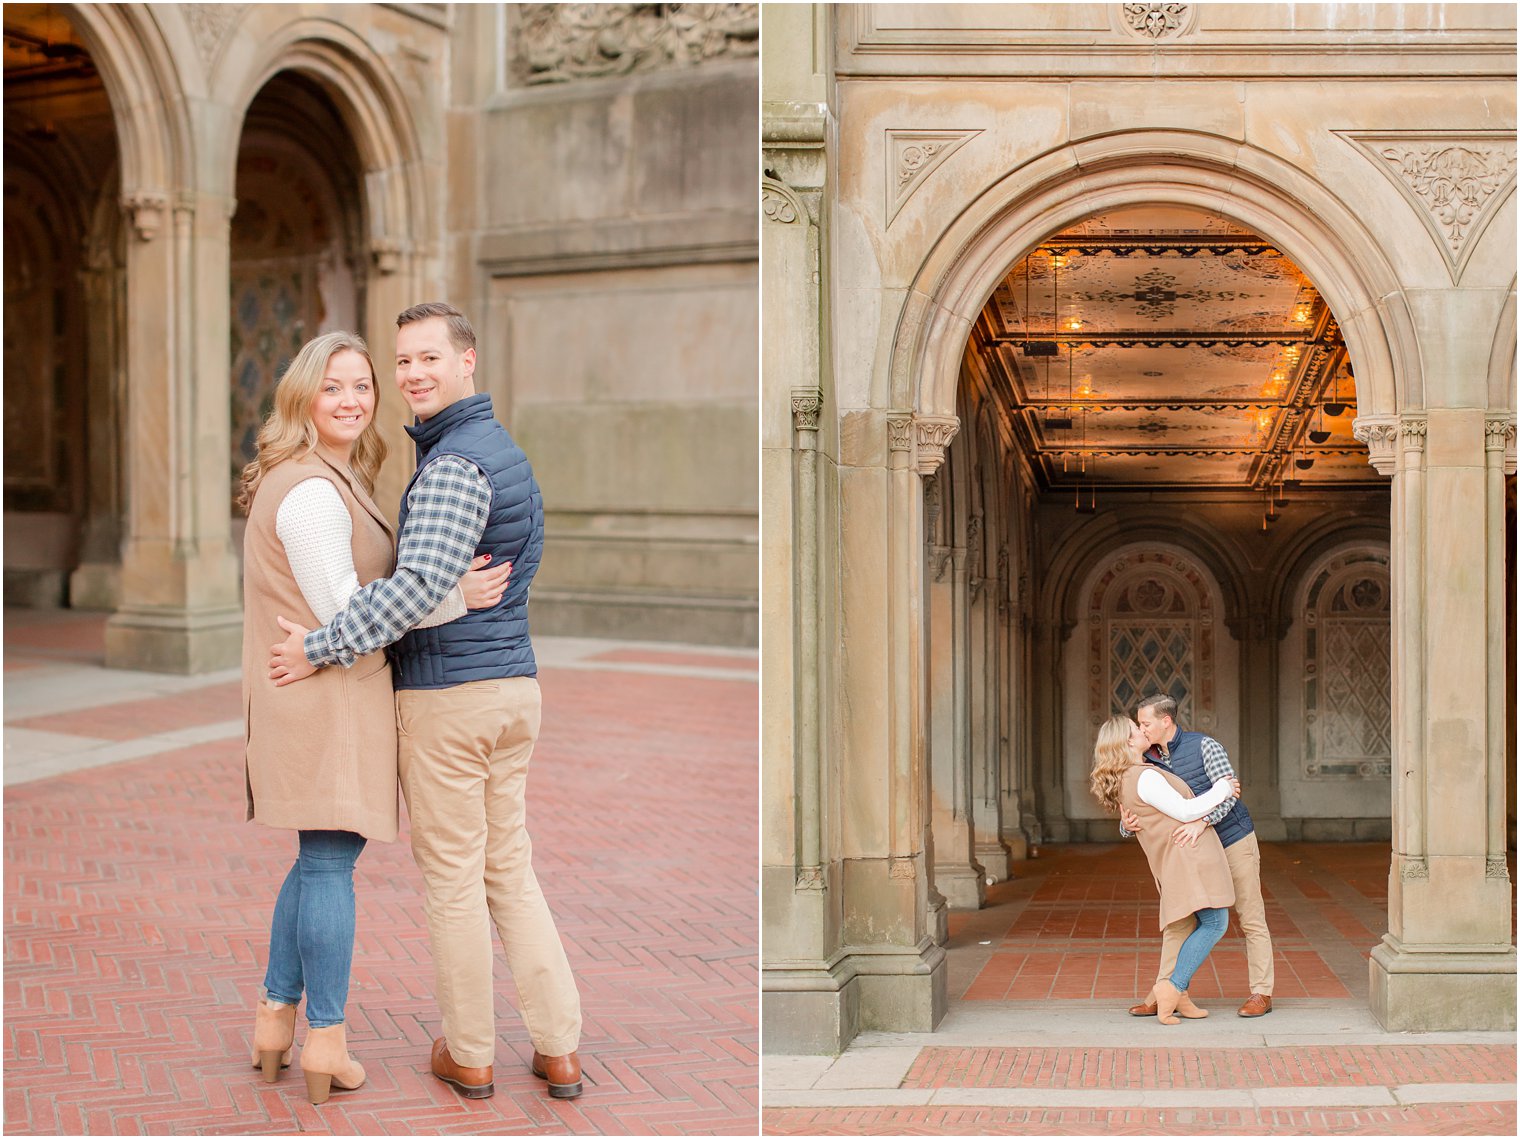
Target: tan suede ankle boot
{"points": [[326, 1064], [274, 1032]]}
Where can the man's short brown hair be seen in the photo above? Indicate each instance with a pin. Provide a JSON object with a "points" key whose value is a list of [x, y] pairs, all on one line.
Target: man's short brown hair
{"points": [[461, 332], [1162, 705]]}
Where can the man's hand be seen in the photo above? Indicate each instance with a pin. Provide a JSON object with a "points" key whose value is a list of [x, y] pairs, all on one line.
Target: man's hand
{"points": [[288, 662], [482, 588], [1189, 832], [1131, 821], [1235, 787]]}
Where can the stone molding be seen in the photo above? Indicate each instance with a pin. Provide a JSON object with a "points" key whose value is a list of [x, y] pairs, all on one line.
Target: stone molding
{"points": [[385, 252], [1155, 22], [561, 43], [1380, 434], [807, 406], [934, 434], [1456, 181], [810, 879], [912, 155], [146, 209]]}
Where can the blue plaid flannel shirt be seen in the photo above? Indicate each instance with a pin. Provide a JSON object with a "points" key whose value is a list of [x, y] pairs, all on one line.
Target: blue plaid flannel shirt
{"points": [[1216, 762], [448, 506]]}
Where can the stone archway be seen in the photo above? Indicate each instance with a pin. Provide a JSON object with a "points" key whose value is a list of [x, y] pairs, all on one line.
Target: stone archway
{"points": [[1437, 967]]}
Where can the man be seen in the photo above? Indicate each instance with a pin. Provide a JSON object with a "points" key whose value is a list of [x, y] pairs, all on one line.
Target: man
{"points": [[1198, 760], [467, 708]]}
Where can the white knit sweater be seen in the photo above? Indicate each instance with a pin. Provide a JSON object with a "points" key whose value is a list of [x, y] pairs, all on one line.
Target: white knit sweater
{"points": [[318, 535]]}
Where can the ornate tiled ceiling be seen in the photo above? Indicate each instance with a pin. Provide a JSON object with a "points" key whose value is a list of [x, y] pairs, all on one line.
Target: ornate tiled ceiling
{"points": [[1160, 346]]}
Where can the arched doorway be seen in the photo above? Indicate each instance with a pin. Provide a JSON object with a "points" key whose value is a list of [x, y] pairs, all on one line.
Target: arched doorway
{"points": [[297, 266], [945, 309]]}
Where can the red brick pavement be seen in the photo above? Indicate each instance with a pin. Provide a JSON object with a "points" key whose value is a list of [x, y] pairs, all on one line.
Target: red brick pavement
{"points": [[1422, 1119], [136, 929], [1194, 1069], [1088, 929]]}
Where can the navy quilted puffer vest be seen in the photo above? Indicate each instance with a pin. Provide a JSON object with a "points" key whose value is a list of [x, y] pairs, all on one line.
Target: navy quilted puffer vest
{"points": [[1187, 765], [484, 644]]}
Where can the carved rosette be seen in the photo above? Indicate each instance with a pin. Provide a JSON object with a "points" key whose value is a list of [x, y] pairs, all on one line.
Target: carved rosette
{"points": [[1456, 183], [146, 208], [558, 43], [807, 406], [1156, 21], [912, 156], [1380, 436], [1415, 868], [934, 435]]}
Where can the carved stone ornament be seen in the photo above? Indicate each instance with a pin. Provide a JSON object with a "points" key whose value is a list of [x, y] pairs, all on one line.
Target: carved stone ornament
{"points": [[902, 868], [557, 43], [147, 209], [899, 431], [932, 495], [1156, 21], [807, 405], [208, 27], [1415, 868], [912, 156], [1456, 182], [1499, 433], [1496, 868], [810, 878], [779, 204], [934, 435], [1381, 438], [1413, 431], [386, 252]]}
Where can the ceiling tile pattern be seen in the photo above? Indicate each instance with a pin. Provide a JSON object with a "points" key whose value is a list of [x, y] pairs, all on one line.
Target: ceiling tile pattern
{"points": [[1165, 346]]}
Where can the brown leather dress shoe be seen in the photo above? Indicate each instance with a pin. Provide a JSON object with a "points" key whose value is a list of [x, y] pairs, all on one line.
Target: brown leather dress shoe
{"points": [[472, 1083], [562, 1072], [1146, 1007], [1256, 1005]]}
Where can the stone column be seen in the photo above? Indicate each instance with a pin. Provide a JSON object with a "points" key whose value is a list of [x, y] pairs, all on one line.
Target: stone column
{"points": [[1447, 962], [180, 608], [986, 802], [96, 582], [1254, 755]]}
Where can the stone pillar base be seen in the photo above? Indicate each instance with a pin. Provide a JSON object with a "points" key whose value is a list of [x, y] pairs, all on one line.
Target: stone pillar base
{"points": [[1269, 828], [964, 887], [1441, 990], [1018, 847], [904, 990], [937, 921], [95, 585], [178, 641], [35, 588], [995, 861], [809, 1012]]}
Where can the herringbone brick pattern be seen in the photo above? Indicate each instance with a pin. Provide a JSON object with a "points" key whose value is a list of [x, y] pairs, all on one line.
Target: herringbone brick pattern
{"points": [[137, 908], [1195, 1069], [1420, 1119]]}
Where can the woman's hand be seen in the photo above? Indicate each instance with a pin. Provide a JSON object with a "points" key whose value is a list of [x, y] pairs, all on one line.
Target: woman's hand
{"points": [[1235, 787], [482, 588]]}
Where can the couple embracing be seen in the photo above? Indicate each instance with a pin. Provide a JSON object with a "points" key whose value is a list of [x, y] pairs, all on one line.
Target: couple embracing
{"points": [[451, 710], [1177, 792]]}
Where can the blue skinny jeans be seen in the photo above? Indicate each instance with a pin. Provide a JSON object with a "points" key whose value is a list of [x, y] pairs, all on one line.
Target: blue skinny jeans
{"points": [[1210, 928], [311, 939]]}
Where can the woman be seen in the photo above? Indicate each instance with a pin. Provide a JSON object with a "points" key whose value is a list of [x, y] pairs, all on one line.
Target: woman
{"points": [[1191, 878], [321, 756]]}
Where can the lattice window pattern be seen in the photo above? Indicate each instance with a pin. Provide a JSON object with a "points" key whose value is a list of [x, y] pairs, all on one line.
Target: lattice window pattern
{"points": [[1348, 721]]}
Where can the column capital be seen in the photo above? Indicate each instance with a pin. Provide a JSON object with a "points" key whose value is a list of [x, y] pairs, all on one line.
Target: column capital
{"points": [[146, 209], [807, 405], [900, 433], [1380, 435], [934, 433], [1499, 435]]}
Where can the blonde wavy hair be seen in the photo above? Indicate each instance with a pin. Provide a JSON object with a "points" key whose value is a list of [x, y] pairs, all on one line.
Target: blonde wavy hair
{"points": [[1111, 758], [289, 432]]}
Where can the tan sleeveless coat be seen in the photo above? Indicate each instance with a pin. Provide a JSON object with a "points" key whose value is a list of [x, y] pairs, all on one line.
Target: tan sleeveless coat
{"points": [[321, 753], [1188, 878]]}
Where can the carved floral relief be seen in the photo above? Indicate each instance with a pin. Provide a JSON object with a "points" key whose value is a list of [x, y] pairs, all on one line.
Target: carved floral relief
{"points": [[558, 43]]}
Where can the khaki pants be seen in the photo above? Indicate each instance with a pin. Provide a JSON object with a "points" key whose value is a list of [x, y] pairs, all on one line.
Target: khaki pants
{"points": [[463, 759], [1244, 858]]}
